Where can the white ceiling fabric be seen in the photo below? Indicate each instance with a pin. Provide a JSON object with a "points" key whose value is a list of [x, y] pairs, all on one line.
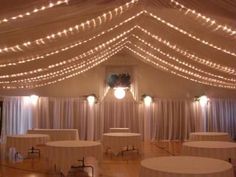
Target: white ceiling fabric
{"points": [[192, 39]]}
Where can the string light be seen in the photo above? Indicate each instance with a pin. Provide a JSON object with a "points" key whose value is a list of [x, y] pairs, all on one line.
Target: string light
{"points": [[71, 46], [32, 12], [82, 71], [182, 62], [69, 31], [182, 69], [146, 59], [68, 69], [64, 62], [190, 35], [206, 62], [84, 66], [207, 20]]}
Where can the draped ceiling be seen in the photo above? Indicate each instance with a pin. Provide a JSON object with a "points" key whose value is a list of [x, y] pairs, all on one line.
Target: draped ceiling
{"points": [[43, 43]]}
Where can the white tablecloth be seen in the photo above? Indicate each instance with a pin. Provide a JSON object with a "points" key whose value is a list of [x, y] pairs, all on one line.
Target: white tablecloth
{"points": [[215, 149], [185, 166], [119, 130], [22, 143], [57, 134], [209, 136], [117, 141], [64, 154]]}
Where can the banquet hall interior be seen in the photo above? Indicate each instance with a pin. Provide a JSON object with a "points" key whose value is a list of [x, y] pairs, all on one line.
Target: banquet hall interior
{"points": [[118, 88]]}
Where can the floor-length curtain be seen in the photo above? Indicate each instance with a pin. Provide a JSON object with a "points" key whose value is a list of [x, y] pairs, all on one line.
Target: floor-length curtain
{"points": [[120, 114], [17, 116], [172, 119], [221, 116]]}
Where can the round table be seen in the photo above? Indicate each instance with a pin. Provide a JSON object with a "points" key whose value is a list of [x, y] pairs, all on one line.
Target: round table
{"points": [[185, 166], [117, 141], [22, 143], [119, 130], [209, 136], [64, 154], [215, 149]]}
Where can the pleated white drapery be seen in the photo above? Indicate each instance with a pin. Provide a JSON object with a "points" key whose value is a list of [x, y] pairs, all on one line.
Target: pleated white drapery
{"points": [[163, 119]]}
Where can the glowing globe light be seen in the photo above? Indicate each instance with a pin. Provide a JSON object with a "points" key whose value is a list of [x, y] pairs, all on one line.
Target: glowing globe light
{"points": [[147, 100], [119, 93], [203, 100]]}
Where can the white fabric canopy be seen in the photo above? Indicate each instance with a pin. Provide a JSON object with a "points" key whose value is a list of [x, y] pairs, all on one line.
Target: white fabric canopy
{"points": [[57, 42]]}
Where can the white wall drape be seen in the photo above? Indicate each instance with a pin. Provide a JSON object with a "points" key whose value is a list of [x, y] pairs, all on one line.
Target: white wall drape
{"points": [[17, 116], [163, 119], [120, 114], [175, 119]]}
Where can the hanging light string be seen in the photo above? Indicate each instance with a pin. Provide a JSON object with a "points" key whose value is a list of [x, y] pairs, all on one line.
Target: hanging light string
{"points": [[207, 20], [148, 60], [95, 22], [83, 67], [181, 61], [84, 54], [180, 69], [67, 69], [67, 47], [194, 57], [32, 12], [64, 62], [201, 60], [205, 42]]}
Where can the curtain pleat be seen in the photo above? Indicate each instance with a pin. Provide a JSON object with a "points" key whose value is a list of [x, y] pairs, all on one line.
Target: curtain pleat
{"points": [[163, 119]]}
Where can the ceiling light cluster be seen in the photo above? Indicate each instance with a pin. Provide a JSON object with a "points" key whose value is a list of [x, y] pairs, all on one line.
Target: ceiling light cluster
{"points": [[207, 20], [92, 23], [203, 41], [194, 57], [182, 62], [163, 67], [71, 71], [32, 12], [71, 46]]}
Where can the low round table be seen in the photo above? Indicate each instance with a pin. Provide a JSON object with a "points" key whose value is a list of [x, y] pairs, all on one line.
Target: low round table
{"points": [[215, 149], [185, 166], [22, 143], [117, 141], [209, 136], [64, 154], [119, 130]]}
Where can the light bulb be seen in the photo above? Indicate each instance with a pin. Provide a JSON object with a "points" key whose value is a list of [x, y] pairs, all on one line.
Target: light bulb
{"points": [[119, 93]]}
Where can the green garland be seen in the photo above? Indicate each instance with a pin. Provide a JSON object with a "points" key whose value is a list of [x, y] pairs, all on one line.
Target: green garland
{"points": [[119, 80]]}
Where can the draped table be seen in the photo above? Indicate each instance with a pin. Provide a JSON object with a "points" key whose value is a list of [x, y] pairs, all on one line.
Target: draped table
{"points": [[209, 136], [117, 141], [215, 149], [119, 130], [185, 166], [57, 134], [22, 143], [64, 154]]}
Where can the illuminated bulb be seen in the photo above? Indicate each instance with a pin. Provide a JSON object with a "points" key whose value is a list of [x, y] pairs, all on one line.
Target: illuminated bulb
{"points": [[147, 100], [34, 99], [203, 100], [91, 99], [119, 92]]}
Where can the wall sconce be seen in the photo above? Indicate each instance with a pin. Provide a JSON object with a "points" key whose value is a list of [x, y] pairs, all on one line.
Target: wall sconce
{"points": [[91, 99], [203, 100], [147, 100], [34, 99]]}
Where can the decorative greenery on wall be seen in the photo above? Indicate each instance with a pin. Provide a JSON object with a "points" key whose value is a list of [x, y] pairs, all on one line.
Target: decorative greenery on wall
{"points": [[119, 80]]}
